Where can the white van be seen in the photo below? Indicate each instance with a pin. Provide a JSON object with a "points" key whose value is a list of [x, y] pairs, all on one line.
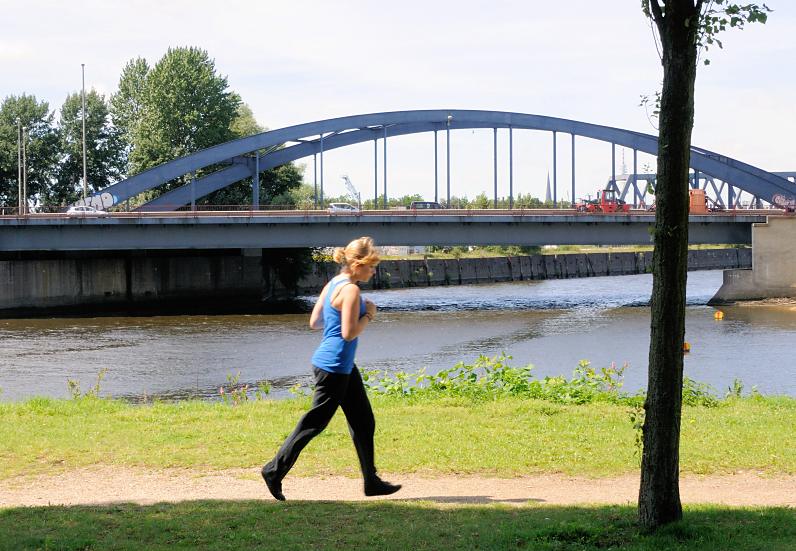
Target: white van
{"points": [[342, 207]]}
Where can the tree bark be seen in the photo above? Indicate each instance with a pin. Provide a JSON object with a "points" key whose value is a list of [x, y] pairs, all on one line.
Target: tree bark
{"points": [[659, 493]]}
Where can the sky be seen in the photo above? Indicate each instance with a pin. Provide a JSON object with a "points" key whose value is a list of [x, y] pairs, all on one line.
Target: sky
{"points": [[300, 61]]}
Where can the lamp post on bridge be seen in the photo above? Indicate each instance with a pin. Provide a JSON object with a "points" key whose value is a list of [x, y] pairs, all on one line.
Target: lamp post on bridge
{"points": [[85, 171], [19, 166], [24, 204]]}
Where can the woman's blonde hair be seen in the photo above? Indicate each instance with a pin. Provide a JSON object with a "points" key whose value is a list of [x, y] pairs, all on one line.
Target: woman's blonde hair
{"points": [[358, 252]]}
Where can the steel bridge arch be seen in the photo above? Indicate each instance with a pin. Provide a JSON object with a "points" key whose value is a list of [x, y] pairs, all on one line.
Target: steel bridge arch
{"points": [[319, 136]]}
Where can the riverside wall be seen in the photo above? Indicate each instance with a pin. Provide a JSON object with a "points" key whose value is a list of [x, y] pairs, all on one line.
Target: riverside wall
{"points": [[241, 281], [465, 271]]}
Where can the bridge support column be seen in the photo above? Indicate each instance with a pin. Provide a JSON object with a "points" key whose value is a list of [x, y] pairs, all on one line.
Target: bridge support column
{"points": [[256, 182], [773, 273]]}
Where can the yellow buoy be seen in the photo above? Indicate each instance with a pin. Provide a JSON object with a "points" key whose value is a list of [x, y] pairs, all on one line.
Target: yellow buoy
{"points": [[686, 347], [718, 315]]}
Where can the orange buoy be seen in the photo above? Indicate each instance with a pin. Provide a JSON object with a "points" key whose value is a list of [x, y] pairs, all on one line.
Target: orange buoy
{"points": [[718, 315], [686, 347]]}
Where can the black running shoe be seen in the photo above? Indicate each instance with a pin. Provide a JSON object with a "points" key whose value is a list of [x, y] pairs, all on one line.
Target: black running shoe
{"points": [[273, 483], [378, 487]]}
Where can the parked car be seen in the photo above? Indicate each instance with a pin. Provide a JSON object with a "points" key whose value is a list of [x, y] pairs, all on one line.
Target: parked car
{"points": [[417, 205], [342, 207], [85, 210]]}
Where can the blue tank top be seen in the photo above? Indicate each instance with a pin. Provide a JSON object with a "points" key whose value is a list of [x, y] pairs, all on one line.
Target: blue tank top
{"points": [[335, 354]]}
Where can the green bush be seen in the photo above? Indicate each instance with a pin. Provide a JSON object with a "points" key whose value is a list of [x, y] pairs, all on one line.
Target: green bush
{"points": [[493, 378]]}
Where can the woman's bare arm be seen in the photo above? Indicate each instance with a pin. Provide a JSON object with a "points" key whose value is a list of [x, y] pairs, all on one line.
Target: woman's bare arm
{"points": [[316, 318], [352, 324]]}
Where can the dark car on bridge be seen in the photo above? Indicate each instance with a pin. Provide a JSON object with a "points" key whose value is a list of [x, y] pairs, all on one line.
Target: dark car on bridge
{"points": [[418, 205]]}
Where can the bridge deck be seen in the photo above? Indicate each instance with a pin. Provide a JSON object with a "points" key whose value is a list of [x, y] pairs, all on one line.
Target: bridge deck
{"points": [[265, 229]]}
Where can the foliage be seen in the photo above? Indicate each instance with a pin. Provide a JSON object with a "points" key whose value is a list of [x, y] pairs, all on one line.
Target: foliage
{"points": [[513, 250], [277, 188], [719, 14], [41, 146], [235, 393], [185, 106], [127, 104], [491, 378], [244, 124], [289, 265], [367, 204], [105, 151], [481, 201], [73, 386], [180, 106]]}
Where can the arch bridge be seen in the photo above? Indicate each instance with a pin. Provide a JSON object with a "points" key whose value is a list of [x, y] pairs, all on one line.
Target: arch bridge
{"points": [[247, 157]]}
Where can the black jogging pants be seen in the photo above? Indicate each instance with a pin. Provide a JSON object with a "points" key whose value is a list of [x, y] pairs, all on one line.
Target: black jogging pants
{"points": [[332, 390]]}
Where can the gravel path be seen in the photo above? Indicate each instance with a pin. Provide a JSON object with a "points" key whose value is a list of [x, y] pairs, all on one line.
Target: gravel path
{"points": [[103, 485]]}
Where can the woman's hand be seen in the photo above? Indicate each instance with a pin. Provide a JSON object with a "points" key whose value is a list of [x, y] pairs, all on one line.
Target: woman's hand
{"points": [[370, 307]]}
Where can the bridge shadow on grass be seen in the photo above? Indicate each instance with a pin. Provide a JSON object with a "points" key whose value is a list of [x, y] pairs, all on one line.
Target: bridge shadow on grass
{"points": [[230, 525]]}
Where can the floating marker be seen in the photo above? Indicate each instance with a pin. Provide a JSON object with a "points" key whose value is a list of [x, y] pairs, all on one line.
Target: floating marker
{"points": [[718, 315], [686, 347]]}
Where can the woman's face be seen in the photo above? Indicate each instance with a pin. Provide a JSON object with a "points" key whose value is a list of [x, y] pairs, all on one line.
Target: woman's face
{"points": [[363, 272]]}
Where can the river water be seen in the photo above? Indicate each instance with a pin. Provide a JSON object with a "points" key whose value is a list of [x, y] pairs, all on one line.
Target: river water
{"points": [[551, 324]]}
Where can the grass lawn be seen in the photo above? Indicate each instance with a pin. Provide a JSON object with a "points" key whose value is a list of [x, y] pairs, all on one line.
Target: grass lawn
{"points": [[386, 525], [505, 437], [429, 435]]}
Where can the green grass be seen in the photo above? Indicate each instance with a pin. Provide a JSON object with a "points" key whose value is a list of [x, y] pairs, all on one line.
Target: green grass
{"points": [[504, 437], [387, 525]]}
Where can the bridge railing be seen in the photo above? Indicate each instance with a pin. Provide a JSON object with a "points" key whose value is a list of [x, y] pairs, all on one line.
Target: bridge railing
{"points": [[241, 211]]}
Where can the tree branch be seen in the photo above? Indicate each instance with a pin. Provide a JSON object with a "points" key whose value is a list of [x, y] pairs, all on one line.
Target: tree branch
{"points": [[657, 12]]}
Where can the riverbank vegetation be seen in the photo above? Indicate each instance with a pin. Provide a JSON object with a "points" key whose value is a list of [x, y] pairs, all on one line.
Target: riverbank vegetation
{"points": [[386, 525], [487, 418], [499, 251]]}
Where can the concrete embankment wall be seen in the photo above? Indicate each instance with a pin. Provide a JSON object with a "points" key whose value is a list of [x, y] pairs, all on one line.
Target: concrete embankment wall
{"points": [[463, 271], [773, 269], [129, 281], [236, 281]]}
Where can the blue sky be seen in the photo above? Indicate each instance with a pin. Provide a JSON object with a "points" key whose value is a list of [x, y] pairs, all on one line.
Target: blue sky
{"points": [[298, 61]]}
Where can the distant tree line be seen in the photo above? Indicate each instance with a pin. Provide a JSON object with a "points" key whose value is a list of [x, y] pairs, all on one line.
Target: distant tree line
{"points": [[176, 107], [304, 198]]}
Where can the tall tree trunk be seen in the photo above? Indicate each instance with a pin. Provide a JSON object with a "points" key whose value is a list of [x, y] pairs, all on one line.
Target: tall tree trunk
{"points": [[659, 494]]}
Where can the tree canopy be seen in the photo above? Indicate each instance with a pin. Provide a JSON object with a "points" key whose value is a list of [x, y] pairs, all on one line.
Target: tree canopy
{"points": [[158, 113], [105, 151], [41, 144], [178, 107]]}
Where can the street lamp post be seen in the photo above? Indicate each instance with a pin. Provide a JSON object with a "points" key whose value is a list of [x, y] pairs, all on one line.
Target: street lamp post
{"points": [[24, 206], [19, 166], [85, 180]]}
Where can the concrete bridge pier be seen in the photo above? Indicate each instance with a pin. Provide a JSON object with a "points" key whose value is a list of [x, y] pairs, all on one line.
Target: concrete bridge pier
{"points": [[773, 273]]}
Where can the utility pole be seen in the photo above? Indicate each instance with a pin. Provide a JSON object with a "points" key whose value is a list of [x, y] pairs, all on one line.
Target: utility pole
{"points": [[85, 180]]}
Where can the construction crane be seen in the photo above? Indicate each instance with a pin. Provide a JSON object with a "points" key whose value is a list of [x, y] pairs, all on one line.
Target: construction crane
{"points": [[352, 190]]}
